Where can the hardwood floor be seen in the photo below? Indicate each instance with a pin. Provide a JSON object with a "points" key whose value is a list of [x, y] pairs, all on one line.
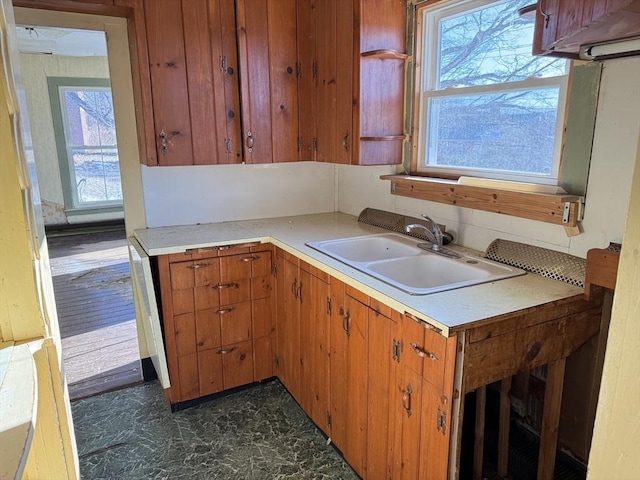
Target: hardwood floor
{"points": [[92, 285]]}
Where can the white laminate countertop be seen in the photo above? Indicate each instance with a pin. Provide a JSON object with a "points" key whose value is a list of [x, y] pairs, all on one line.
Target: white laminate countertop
{"points": [[451, 310]]}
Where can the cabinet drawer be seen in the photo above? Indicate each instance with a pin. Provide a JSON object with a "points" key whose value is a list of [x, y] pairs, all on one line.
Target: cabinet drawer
{"points": [[237, 364], [235, 322], [251, 265], [207, 329], [210, 372], [234, 291]]}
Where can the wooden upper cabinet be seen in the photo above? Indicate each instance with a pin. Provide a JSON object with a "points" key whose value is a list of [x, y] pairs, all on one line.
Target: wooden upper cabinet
{"points": [[361, 55], [196, 113], [268, 57], [563, 26]]}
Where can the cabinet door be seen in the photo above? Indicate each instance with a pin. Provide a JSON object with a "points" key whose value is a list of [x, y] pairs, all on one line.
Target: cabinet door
{"points": [[190, 111], [288, 327], [267, 52], [338, 365], [314, 331], [434, 456], [167, 62], [407, 401], [357, 333], [334, 86], [380, 377]]}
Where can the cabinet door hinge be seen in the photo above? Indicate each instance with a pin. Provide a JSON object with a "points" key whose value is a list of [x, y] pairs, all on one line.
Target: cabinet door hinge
{"points": [[328, 419], [277, 361], [299, 144], [223, 63], [298, 70], [397, 349], [315, 70], [328, 305], [227, 145], [315, 144], [274, 269], [441, 421]]}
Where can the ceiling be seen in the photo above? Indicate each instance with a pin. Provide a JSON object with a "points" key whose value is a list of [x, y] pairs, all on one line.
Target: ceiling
{"points": [[61, 41]]}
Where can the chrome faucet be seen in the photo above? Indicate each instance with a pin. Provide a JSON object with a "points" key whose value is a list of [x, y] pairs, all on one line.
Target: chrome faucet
{"points": [[434, 235]]}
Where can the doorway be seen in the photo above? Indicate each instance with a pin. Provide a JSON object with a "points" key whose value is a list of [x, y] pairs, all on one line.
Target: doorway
{"points": [[92, 215]]}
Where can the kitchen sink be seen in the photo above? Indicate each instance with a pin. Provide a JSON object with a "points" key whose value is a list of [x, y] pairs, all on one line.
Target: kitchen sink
{"points": [[369, 248], [398, 261]]}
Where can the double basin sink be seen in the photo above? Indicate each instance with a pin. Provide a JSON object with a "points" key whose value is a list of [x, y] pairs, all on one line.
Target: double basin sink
{"points": [[398, 261]]}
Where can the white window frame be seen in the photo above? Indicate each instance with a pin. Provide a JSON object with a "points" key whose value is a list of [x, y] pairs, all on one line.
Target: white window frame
{"points": [[427, 20]]}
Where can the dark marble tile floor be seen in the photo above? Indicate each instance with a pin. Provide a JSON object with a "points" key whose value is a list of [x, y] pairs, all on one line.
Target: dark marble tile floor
{"points": [[257, 434]]}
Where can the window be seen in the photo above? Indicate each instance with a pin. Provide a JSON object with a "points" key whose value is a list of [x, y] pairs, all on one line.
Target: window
{"points": [[487, 107], [86, 139]]}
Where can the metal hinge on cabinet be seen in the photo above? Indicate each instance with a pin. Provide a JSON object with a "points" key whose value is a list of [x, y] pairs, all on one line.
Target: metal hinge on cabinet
{"points": [[315, 70], [227, 145], [441, 421], [223, 63], [328, 419], [298, 70], [277, 361], [274, 269], [328, 305], [299, 144], [397, 349], [315, 144]]}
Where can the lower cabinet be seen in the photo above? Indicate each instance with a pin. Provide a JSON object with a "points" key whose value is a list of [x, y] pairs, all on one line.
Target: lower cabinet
{"points": [[218, 319], [378, 383]]}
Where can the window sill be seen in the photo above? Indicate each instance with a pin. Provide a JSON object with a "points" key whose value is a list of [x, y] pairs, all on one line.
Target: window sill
{"points": [[543, 207]]}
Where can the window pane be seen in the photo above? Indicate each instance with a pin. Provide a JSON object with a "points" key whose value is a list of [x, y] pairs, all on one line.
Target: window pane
{"points": [[512, 131], [97, 175], [489, 45], [90, 117]]}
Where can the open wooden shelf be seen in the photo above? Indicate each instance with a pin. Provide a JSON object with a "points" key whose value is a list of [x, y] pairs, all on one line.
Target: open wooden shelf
{"points": [[543, 207]]}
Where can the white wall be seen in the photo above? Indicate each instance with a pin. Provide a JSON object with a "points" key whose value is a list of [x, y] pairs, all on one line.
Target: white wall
{"points": [[36, 69], [612, 162], [218, 193]]}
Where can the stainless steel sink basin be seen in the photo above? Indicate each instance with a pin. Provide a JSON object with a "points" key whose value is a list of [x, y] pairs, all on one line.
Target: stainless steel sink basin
{"points": [[397, 260]]}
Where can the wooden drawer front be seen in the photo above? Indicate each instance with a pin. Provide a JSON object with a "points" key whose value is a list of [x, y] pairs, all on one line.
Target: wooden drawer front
{"points": [[263, 317], [237, 364], [207, 329], [235, 322], [185, 333], [412, 334], [191, 274], [261, 264], [234, 291], [210, 372], [435, 346], [262, 287], [236, 267]]}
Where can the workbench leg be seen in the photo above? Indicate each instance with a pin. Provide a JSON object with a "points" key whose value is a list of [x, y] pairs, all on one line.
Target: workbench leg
{"points": [[550, 419], [503, 434], [478, 448]]}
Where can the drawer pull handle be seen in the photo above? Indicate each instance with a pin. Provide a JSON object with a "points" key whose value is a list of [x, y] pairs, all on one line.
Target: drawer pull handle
{"points": [[222, 286], [222, 311], [196, 266], [225, 351], [422, 352], [299, 294], [250, 258], [406, 400]]}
